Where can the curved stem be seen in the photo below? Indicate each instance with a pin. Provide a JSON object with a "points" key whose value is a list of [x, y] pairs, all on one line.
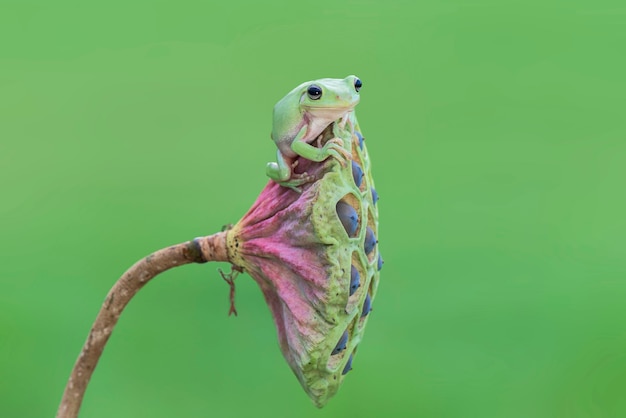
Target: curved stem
{"points": [[199, 250]]}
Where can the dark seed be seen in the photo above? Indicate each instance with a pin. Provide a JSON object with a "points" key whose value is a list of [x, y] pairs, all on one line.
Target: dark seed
{"points": [[380, 262], [374, 195], [357, 174], [355, 280], [342, 344], [348, 217], [348, 365], [358, 134], [367, 306], [370, 240]]}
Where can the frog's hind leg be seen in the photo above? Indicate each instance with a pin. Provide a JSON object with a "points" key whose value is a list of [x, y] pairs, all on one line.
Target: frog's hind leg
{"points": [[282, 173], [297, 179], [279, 171]]}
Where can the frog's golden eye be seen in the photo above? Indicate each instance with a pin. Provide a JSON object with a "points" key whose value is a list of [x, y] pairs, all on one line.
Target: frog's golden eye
{"points": [[314, 92], [357, 84]]}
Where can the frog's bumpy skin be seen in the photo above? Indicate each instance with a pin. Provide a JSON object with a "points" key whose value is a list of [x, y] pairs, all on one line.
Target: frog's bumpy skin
{"points": [[297, 248]]}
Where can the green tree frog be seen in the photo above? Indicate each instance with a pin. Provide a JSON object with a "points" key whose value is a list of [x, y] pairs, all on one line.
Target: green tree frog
{"points": [[301, 117]]}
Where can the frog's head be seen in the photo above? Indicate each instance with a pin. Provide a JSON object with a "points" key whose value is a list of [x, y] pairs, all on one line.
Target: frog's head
{"points": [[315, 104], [330, 98]]}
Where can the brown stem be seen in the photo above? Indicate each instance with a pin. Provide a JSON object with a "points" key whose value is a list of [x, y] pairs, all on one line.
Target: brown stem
{"points": [[199, 250]]}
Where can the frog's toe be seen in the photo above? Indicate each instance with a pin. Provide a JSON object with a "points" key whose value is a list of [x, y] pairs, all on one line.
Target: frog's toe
{"points": [[297, 180], [304, 176], [337, 156], [340, 154], [294, 188], [335, 140], [346, 154], [293, 185]]}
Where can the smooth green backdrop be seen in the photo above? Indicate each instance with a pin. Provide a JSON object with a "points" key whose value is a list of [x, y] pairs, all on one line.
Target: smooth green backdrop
{"points": [[498, 139]]}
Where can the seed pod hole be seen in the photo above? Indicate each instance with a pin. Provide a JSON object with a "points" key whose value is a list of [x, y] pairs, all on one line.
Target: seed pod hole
{"points": [[355, 280], [370, 241], [348, 366], [336, 356], [357, 173], [367, 306], [380, 262], [358, 272], [371, 236], [359, 138], [374, 195], [348, 216], [342, 344]]}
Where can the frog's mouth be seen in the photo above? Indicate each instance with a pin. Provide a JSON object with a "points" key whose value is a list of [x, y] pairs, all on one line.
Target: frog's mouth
{"points": [[330, 113]]}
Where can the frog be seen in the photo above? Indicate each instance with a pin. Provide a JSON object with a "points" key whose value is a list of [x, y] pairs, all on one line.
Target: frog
{"points": [[299, 119]]}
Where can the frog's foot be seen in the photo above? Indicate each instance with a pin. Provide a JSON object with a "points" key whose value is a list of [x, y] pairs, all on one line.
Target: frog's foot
{"points": [[297, 180], [334, 148]]}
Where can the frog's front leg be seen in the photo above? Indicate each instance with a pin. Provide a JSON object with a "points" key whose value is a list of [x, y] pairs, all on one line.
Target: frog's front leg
{"points": [[332, 148]]}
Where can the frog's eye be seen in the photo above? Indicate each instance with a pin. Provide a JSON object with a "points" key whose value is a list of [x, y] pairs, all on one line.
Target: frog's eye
{"points": [[314, 92], [357, 84]]}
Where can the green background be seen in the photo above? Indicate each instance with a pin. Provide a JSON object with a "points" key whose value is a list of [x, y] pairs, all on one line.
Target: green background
{"points": [[497, 135]]}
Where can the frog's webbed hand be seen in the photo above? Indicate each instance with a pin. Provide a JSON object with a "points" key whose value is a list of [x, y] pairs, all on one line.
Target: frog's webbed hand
{"points": [[332, 148], [335, 148]]}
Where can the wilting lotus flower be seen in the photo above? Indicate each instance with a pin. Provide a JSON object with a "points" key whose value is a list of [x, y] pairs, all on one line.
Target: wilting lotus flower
{"points": [[315, 256]]}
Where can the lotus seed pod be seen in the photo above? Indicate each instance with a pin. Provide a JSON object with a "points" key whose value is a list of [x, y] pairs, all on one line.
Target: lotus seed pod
{"points": [[355, 280], [301, 249]]}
